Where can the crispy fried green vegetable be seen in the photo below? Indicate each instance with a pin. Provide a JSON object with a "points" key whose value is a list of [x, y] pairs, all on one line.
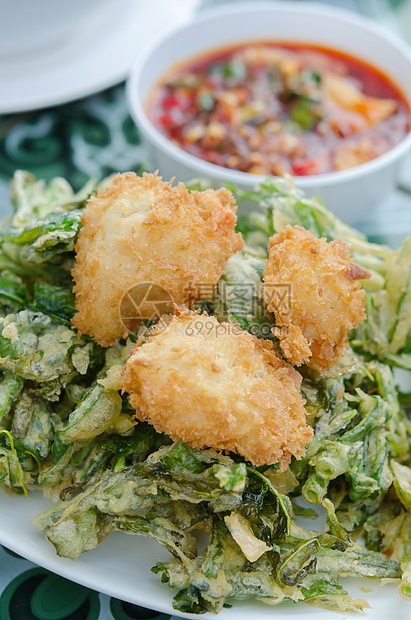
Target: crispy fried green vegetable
{"points": [[14, 295], [252, 551], [33, 199], [66, 428], [47, 237], [10, 387], [35, 348]]}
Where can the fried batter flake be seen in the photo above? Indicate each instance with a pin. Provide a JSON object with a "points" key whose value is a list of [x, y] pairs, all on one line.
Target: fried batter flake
{"points": [[212, 384], [143, 230], [326, 298]]}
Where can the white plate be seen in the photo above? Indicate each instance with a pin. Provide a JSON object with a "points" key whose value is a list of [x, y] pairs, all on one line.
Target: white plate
{"points": [[98, 55], [120, 567]]}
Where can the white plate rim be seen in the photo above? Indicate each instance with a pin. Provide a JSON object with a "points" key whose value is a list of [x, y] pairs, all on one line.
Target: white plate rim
{"points": [[95, 57]]}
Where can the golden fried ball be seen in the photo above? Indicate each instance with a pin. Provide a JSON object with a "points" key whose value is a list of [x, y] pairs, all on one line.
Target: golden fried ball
{"points": [[214, 385], [325, 296], [143, 230]]}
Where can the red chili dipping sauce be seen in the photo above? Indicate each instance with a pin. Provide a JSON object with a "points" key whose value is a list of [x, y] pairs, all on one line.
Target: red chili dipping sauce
{"points": [[282, 108]]}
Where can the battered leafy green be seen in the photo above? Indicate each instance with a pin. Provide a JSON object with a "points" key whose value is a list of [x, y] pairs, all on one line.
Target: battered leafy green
{"points": [[66, 428]]}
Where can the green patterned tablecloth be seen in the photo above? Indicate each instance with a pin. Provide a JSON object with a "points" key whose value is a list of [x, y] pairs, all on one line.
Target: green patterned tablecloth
{"points": [[92, 137], [29, 592]]}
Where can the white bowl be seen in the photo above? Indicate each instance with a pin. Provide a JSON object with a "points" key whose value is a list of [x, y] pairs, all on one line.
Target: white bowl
{"points": [[349, 193]]}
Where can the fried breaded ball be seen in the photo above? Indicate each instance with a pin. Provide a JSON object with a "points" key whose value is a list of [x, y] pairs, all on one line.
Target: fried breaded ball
{"points": [[214, 385], [143, 230], [325, 296]]}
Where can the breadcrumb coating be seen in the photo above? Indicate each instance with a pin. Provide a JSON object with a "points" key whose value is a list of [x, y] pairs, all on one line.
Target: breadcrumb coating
{"points": [[139, 230], [214, 385], [326, 298]]}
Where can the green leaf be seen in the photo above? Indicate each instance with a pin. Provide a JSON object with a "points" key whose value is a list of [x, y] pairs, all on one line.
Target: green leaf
{"points": [[34, 199], [321, 587], [57, 302], [181, 455], [10, 387], [282, 508], [13, 292], [299, 563], [402, 483]]}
